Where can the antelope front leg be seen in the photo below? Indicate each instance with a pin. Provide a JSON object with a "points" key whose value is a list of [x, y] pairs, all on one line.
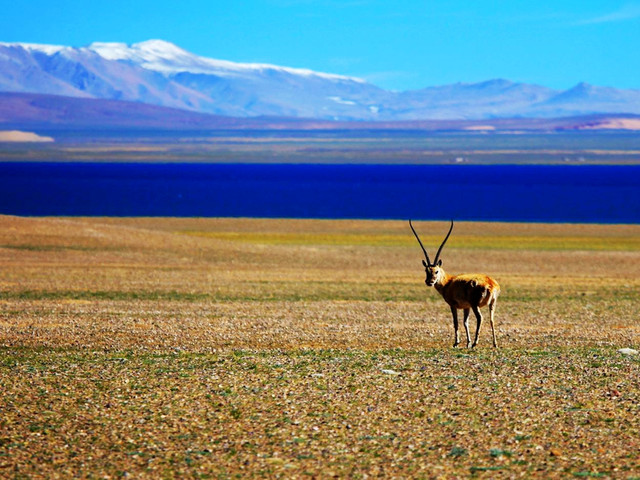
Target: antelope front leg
{"points": [[466, 325], [478, 315], [454, 312]]}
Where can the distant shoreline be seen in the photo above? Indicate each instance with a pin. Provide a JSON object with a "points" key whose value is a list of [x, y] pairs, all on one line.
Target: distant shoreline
{"points": [[384, 147]]}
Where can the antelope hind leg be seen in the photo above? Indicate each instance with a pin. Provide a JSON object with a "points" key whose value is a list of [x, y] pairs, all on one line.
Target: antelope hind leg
{"points": [[492, 309]]}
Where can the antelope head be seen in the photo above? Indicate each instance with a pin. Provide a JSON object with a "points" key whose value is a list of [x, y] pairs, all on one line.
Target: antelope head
{"points": [[435, 272]]}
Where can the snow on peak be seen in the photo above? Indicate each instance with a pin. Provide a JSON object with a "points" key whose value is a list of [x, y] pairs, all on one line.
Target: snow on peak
{"points": [[111, 51], [48, 49], [167, 58], [149, 51], [160, 48]]}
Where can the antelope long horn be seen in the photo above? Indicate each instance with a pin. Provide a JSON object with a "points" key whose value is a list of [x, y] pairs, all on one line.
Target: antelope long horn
{"points": [[418, 238], [445, 241]]}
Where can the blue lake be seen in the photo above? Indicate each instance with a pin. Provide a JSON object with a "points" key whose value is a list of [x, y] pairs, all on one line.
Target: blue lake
{"points": [[601, 194]]}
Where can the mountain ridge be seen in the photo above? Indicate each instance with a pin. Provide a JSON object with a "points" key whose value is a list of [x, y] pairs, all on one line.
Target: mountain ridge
{"points": [[160, 73], [38, 112]]}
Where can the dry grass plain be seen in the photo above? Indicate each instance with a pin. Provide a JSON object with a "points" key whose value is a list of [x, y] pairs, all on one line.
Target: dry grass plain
{"points": [[235, 348]]}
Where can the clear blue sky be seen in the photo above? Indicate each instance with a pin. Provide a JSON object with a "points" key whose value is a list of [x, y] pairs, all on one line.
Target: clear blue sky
{"points": [[397, 45]]}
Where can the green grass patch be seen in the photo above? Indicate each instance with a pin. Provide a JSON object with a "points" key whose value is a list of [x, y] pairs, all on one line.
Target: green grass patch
{"points": [[498, 452], [458, 452], [508, 242], [101, 295], [337, 239], [289, 291], [28, 247], [486, 469]]}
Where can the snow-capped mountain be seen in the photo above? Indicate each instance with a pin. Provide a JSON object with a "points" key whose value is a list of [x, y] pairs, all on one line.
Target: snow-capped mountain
{"points": [[160, 73], [165, 57]]}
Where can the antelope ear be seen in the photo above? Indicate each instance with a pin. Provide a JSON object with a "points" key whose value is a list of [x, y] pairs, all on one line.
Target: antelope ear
{"points": [[439, 263], [424, 263]]}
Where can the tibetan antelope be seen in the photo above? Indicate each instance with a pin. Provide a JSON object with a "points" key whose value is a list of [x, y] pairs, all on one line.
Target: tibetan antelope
{"points": [[467, 292]]}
